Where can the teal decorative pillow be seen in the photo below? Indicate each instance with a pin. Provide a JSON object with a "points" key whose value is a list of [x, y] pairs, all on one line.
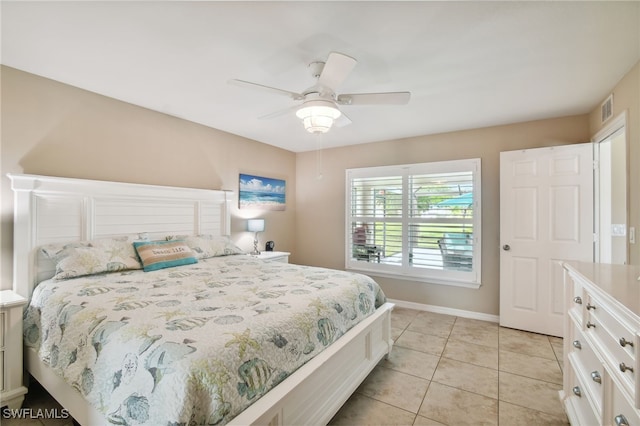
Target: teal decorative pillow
{"points": [[205, 246], [163, 254], [79, 258]]}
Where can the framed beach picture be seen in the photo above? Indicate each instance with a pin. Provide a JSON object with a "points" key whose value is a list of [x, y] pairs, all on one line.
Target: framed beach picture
{"points": [[257, 192]]}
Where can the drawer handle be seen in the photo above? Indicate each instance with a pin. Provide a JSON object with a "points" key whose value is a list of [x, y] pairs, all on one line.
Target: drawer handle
{"points": [[595, 376], [577, 344], [621, 420], [624, 368], [590, 306], [590, 324], [577, 300], [624, 342], [576, 391]]}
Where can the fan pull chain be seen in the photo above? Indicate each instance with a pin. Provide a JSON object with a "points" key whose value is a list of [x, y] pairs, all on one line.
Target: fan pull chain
{"points": [[318, 137]]}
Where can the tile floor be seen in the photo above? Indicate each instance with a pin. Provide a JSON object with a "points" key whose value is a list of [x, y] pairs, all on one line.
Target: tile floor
{"points": [[443, 370], [447, 370]]}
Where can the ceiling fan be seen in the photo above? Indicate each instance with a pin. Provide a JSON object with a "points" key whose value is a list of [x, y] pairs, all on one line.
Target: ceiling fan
{"points": [[319, 107]]}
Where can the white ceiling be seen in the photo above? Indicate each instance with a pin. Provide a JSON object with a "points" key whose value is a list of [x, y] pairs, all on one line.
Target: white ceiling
{"points": [[467, 64]]}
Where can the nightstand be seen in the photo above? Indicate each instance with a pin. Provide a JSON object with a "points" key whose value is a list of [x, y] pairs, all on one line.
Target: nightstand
{"points": [[12, 390], [274, 256]]}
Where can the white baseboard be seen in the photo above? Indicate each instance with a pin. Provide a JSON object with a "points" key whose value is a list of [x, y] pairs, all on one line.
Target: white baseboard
{"points": [[443, 310]]}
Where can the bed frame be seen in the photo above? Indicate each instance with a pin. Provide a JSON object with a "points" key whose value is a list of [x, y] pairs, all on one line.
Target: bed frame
{"points": [[52, 209]]}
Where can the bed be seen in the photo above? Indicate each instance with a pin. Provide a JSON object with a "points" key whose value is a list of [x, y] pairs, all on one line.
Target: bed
{"points": [[219, 338]]}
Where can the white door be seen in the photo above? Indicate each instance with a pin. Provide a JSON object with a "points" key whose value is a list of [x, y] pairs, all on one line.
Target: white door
{"points": [[546, 216]]}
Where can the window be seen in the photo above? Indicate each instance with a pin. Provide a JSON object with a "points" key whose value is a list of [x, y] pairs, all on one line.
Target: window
{"points": [[416, 221]]}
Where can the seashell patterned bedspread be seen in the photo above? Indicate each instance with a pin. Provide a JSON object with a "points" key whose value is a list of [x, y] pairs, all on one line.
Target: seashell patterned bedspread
{"points": [[195, 344]]}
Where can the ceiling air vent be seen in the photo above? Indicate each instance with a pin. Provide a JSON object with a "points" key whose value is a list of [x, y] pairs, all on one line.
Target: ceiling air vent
{"points": [[606, 109]]}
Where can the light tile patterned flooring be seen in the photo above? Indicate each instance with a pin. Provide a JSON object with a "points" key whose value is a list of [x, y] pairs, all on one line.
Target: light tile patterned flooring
{"points": [[443, 370], [447, 370]]}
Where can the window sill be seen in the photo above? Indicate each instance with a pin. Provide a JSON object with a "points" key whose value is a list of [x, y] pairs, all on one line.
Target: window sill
{"points": [[423, 279]]}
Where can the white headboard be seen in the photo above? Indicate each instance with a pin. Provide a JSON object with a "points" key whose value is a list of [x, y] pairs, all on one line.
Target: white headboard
{"points": [[51, 209]]}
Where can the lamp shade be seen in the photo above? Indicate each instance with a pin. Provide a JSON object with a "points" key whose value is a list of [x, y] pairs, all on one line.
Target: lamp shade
{"points": [[318, 115], [255, 225]]}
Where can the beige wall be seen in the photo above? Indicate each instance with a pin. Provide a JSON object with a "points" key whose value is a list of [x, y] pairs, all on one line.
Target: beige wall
{"points": [[626, 97], [321, 202], [50, 128]]}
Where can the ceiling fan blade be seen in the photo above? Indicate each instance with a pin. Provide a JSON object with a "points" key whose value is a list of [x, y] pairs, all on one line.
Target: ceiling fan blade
{"points": [[336, 70], [343, 120], [278, 113], [242, 83], [388, 98]]}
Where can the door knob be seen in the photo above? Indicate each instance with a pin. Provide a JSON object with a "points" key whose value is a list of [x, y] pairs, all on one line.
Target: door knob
{"points": [[506, 247]]}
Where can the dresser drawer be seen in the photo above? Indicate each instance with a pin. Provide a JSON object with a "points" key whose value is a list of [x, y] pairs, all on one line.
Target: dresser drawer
{"points": [[622, 411], [576, 298], [578, 405], [608, 332], [587, 367], [3, 321], [2, 371], [613, 325]]}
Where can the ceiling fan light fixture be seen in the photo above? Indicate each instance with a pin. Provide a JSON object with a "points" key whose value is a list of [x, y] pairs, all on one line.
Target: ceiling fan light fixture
{"points": [[318, 116], [319, 108]]}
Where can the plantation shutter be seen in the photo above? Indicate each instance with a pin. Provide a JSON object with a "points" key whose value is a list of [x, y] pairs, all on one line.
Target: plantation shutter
{"points": [[417, 220]]}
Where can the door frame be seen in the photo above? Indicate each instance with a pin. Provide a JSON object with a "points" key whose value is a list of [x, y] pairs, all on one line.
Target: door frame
{"points": [[614, 126]]}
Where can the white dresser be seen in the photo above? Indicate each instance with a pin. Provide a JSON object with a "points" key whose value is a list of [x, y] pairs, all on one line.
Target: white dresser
{"points": [[601, 344]]}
